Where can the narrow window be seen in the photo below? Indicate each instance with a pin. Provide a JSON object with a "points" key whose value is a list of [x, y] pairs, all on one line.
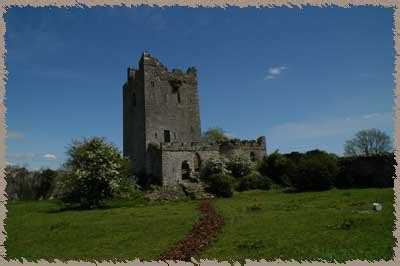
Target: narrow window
{"points": [[134, 99], [152, 84], [155, 134], [174, 135], [178, 95], [167, 136]]}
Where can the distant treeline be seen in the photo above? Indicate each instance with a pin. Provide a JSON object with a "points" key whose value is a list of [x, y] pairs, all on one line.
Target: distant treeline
{"points": [[310, 171], [319, 170], [23, 184]]}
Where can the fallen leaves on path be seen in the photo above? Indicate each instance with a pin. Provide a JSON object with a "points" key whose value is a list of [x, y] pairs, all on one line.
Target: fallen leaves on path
{"points": [[202, 233]]}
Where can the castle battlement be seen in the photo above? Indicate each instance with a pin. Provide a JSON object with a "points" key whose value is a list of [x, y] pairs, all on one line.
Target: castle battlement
{"points": [[189, 75], [251, 144]]}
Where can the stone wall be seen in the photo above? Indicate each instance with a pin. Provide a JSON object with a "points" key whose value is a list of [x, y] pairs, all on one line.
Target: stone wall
{"points": [[133, 119], [255, 149]]}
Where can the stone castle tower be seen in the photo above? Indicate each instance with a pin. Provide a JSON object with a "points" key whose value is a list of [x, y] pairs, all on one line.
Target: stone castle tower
{"points": [[161, 122]]}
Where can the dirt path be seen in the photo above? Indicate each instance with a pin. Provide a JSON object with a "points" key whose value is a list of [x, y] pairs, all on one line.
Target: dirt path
{"points": [[203, 232]]}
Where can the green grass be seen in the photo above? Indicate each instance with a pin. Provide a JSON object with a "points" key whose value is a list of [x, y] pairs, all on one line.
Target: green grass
{"points": [[37, 230], [336, 224], [332, 225]]}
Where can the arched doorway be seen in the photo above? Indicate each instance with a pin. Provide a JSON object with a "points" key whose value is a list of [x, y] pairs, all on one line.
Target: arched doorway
{"points": [[185, 169], [197, 162], [252, 156]]}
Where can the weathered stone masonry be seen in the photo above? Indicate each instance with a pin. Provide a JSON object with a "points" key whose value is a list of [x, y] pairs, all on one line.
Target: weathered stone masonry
{"points": [[161, 124]]}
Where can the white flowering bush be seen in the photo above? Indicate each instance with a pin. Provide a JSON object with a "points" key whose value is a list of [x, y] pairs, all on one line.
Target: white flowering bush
{"points": [[93, 173], [215, 165], [240, 164]]}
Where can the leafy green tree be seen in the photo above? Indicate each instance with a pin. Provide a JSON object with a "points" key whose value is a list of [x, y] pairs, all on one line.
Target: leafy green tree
{"points": [[277, 167], [368, 142], [316, 171], [213, 135], [93, 170]]}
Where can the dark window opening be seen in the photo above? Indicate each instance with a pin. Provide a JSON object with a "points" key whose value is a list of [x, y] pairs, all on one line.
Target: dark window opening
{"points": [[178, 95], [167, 136], [152, 84], [155, 134], [185, 170], [252, 156], [197, 162], [134, 99]]}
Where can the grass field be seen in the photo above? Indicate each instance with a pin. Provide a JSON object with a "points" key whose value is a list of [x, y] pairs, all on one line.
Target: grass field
{"points": [[336, 224], [125, 231]]}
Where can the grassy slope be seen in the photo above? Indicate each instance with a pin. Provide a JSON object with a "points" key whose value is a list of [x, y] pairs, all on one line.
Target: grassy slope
{"points": [[336, 224], [36, 230]]}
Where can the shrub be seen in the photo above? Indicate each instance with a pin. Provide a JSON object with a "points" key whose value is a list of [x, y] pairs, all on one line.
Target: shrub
{"points": [[240, 165], [214, 165], [366, 171], [92, 168], [277, 167], [254, 180], [125, 188], [43, 183], [221, 185], [316, 171], [18, 183]]}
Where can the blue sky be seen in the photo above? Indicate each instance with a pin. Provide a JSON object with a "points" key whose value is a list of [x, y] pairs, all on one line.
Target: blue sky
{"points": [[305, 78]]}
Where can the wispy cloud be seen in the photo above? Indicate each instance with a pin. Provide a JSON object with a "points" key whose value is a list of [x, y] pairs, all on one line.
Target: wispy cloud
{"points": [[14, 135], [22, 156], [273, 72], [369, 116], [306, 130], [296, 134], [49, 156]]}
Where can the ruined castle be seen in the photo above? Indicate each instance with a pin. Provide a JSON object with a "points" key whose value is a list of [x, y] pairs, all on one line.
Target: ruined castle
{"points": [[161, 124]]}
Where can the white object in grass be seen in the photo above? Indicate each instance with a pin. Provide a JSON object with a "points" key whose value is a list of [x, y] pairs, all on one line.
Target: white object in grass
{"points": [[376, 207]]}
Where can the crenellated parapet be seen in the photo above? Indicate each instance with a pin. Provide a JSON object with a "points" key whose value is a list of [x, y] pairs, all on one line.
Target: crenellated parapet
{"points": [[260, 143]]}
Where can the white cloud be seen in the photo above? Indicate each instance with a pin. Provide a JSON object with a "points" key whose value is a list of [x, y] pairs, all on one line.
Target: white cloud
{"points": [[14, 135], [49, 157], [273, 72]]}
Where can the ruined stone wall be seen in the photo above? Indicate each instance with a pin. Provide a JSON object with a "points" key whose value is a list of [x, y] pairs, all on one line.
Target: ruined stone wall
{"points": [[255, 149], [172, 162]]}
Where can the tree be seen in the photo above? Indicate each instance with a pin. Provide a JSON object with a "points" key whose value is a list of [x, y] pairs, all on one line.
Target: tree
{"points": [[213, 135], [93, 170], [368, 142]]}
